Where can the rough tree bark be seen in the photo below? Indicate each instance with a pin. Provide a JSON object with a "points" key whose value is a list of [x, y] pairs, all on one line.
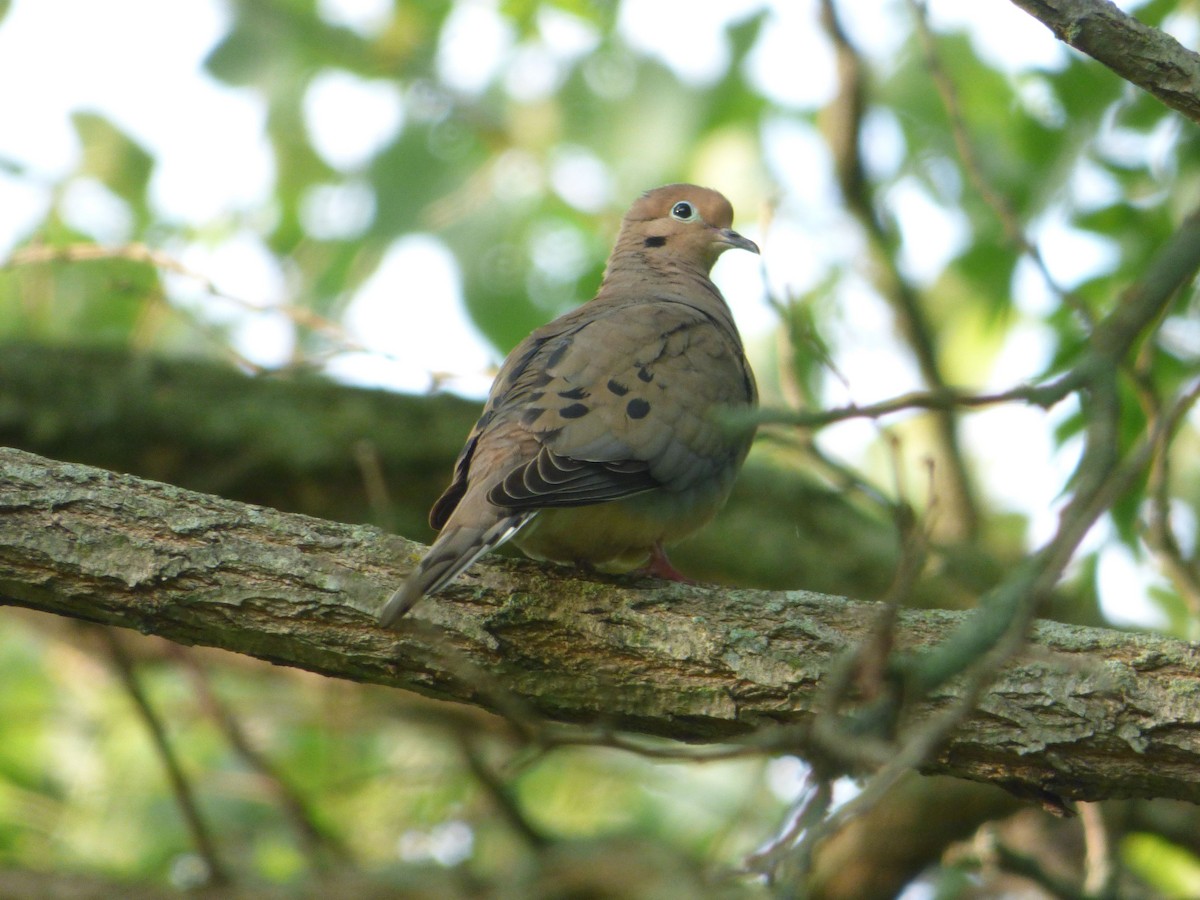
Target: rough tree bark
{"points": [[1145, 56], [1084, 713]]}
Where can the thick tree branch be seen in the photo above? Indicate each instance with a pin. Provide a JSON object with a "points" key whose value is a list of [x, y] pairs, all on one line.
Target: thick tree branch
{"points": [[1151, 59], [1084, 713]]}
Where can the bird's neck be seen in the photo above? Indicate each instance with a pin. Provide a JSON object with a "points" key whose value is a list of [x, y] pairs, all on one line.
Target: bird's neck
{"points": [[635, 264], [636, 274]]}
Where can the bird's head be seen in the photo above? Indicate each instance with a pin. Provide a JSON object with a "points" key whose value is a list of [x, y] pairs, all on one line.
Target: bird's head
{"points": [[686, 222]]}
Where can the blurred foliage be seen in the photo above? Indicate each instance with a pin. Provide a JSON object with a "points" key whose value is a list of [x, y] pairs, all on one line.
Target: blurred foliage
{"points": [[1173, 872], [523, 177]]}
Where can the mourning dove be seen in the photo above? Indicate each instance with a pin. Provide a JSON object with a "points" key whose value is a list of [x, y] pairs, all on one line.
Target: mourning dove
{"points": [[600, 441]]}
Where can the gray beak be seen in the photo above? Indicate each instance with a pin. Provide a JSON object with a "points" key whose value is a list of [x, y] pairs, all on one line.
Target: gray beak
{"points": [[733, 239]]}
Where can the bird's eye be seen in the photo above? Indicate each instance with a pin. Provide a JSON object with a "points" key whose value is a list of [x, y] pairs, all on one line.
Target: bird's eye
{"points": [[683, 211]]}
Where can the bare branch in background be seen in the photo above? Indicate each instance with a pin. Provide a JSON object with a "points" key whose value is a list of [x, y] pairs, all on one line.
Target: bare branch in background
{"points": [[185, 796], [500, 793], [161, 261], [1182, 569], [321, 847], [993, 852], [1043, 395], [973, 167], [996, 633], [1100, 870], [844, 120]]}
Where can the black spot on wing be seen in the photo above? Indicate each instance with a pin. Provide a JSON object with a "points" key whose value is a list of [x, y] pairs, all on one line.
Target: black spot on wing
{"points": [[532, 414], [574, 411], [576, 393], [637, 408], [617, 388], [645, 374]]}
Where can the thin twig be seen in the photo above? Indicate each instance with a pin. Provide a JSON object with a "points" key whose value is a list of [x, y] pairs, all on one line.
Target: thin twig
{"points": [[157, 304], [180, 786], [844, 137], [1000, 629], [946, 398], [552, 737], [319, 843], [1004, 858], [862, 742], [501, 796], [1097, 479], [374, 482], [141, 253], [973, 167], [809, 811], [1173, 267], [1160, 537], [1100, 871]]}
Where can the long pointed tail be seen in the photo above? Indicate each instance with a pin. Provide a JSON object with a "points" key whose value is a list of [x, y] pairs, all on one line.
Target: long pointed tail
{"points": [[454, 550]]}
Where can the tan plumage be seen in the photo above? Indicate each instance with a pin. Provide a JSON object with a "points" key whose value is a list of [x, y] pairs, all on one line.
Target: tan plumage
{"points": [[600, 440]]}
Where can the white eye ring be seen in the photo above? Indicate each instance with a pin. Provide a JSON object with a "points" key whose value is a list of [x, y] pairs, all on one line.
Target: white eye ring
{"points": [[684, 212]]}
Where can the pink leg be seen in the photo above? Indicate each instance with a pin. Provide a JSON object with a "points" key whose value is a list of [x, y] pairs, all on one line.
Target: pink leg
{"points": [[660, 567]]}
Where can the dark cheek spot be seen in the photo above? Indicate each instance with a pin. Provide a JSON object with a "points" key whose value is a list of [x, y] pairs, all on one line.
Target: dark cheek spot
{"points": [[574, 411], [617, 388], [637, 408], [655, 241]]}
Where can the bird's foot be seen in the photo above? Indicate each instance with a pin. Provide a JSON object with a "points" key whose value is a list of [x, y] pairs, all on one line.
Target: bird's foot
{"points": [[660, 567]]}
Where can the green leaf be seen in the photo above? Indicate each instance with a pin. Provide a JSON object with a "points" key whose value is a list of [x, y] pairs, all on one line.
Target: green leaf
{"points": [[1168, 868], [115, 159]]}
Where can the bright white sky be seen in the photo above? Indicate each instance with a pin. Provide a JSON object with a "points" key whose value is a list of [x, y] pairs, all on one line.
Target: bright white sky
{"points": [[138, 63]]}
